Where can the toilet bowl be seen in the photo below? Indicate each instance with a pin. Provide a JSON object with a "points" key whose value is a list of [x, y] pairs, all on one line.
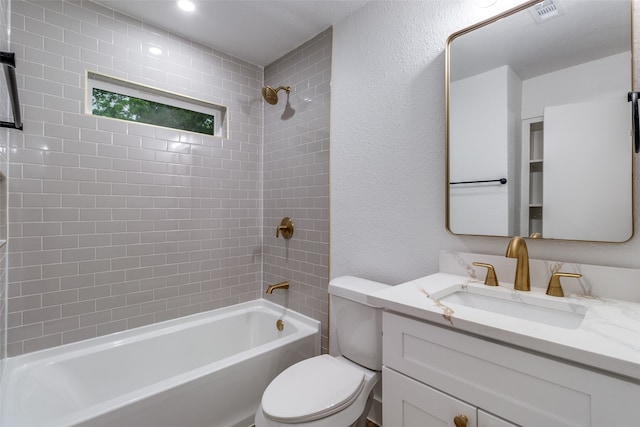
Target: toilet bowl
{"points": [[332, 391], [318, 392]]}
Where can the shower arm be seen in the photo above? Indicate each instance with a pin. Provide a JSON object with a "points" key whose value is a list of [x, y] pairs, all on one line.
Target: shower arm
{"points": [[286, 89]]}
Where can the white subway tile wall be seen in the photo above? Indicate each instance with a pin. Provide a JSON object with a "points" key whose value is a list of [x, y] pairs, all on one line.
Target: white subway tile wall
{"points": [[115, 225], [296, 178]]}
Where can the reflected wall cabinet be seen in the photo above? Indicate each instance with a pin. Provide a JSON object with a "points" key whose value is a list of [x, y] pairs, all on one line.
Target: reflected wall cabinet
{"points": [[560, 196]]}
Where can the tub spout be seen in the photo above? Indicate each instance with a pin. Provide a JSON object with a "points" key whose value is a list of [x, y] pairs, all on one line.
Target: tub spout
{"points": [[283, 285]]}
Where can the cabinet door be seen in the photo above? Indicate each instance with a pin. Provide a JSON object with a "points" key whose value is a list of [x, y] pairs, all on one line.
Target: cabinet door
{"points": [[485, 419], [408, 403]]}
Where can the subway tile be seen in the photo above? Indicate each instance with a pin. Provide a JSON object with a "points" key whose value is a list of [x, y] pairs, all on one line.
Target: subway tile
{"points": [[41, 229], [19, 215], [41, 171], [93, 319], [76, 282], [61, 131], [41, 257], [23, 333], [111, 302], [76, 39], [41, 343], [79, 147], [60, 214], [59, 242], [125, 263], [60, 159], [78, 308], [40, 315], [95, 162], [79, 334], [110, 176], [55, 271], [78, 201], [19, 274], [58, 298], [111, 226], [94, 293], [81, 254], [98, 136], [95, 189], [59, 19], [60, 325], [95, 214], [26, 244], [60, 187], [28, 302], [73, 115], [110, 277], [111, 327], [109, 252]]}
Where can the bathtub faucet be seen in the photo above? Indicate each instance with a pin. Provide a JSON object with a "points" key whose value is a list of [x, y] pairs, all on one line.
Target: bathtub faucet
{"points": [[283, 285]]}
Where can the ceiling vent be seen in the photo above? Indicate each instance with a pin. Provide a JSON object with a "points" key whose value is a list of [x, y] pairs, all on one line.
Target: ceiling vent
{"points": [[545, 10]]}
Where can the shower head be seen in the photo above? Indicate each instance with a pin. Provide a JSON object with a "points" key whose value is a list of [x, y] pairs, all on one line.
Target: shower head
{"points": [[271, 95]]}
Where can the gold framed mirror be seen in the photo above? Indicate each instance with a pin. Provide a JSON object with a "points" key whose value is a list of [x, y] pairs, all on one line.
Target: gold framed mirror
{"points": [[538, 123]]}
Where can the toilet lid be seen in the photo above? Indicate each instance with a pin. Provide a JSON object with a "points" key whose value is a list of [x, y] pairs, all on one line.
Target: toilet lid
{"points": [[312, 389]]}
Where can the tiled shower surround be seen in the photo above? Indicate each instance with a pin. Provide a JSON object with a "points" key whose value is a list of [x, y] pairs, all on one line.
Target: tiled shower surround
{"points": [[296, 177], [116, 225]]}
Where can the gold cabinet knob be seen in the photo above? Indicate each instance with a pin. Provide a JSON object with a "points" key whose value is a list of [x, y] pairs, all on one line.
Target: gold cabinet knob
{"points": [[555, 289], [460, 420], [285, 227], [491, 279]]}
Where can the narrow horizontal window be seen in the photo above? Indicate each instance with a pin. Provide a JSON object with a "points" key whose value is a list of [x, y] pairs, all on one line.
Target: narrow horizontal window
{"points": [[120, 99]]}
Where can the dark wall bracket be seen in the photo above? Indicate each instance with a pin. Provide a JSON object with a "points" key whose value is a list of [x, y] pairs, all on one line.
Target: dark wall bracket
{"points": [[8, 60], [632, 97]]}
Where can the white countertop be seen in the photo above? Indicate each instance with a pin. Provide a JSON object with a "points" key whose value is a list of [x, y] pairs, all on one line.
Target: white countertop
{"points": [[608, 338]]}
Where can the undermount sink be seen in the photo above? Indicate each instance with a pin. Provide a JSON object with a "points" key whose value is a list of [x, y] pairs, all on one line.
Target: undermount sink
{"points": [[538, 309]]}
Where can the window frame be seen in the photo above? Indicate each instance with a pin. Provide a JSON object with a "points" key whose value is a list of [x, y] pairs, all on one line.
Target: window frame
{"points": [[104, 82]]}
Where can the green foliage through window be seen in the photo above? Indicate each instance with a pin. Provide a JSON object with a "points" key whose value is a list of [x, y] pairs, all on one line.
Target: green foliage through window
{"points": [[110, 104]]}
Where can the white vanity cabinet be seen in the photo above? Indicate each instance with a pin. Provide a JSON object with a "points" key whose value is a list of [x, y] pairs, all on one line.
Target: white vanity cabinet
{"points": [[434, 373]]}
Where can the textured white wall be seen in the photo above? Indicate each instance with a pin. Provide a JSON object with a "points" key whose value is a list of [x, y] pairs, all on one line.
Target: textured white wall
{"points": [[388, 147]]}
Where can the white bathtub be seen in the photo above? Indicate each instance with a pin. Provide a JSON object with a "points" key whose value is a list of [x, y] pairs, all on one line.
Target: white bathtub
{"points": [[204, 370]]}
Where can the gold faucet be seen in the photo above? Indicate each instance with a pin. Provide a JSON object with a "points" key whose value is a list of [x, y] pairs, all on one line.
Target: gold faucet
{"points": [[281, 285], [518, 249]]}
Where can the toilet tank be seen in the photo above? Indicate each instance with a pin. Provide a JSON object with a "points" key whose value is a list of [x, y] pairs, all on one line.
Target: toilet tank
{"points": [[355, 325]]}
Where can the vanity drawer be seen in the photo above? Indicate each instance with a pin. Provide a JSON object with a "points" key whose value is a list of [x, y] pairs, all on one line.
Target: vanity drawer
{"points": [[523, 387]]}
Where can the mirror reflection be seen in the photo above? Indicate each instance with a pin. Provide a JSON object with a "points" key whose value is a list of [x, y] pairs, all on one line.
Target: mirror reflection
{"points": [[538, 136]]}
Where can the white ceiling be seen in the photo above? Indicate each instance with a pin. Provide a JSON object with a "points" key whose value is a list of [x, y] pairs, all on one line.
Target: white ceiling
{"points": [[259, 32], [584, 31]]}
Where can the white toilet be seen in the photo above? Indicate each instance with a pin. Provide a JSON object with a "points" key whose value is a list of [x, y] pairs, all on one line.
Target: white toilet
{"points": [[333, 391]]}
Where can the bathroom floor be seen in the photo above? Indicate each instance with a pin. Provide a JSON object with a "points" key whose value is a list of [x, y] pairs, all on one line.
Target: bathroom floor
{"points": [[371, 424]]}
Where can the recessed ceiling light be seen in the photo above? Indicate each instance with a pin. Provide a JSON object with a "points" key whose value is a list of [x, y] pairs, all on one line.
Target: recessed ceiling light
{"points": [[154, 50], [186, 5]]}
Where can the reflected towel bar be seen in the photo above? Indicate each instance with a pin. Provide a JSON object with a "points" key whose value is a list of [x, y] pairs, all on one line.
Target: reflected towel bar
{"points": [[501, 181], [8, 60]]}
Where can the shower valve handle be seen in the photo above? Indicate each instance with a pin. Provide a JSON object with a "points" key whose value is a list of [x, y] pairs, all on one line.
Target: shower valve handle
{"points": [[286, 227]]}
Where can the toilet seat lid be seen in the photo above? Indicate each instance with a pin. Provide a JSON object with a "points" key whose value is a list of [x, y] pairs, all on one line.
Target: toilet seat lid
{"points": [[312, 389]]}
